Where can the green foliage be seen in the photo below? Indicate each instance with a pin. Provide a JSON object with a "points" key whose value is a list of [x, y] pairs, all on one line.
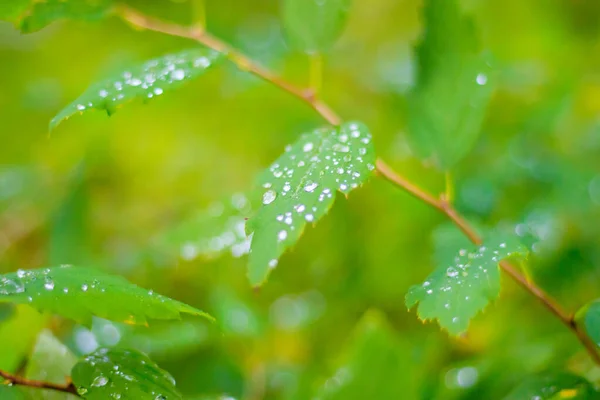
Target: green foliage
{"points": [[453, 86], [314, 25], [27, 322], [33, 15], [300, 187], [211, 232], [79, 293], [50, 361], [125, 374], [464, 283], [589, 317], [554, 386], [145, 81], [379, 365]]}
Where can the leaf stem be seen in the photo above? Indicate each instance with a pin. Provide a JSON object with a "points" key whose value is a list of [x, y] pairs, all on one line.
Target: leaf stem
{"points": [[309, 97], [68, 387], [199, 14], [449, 193]]}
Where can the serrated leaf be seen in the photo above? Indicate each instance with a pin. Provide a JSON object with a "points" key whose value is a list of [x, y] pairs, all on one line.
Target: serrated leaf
{"points": [[50, 361], [146, 81], [453, 86], [122, 374], [79, 293], [463, 284], [300, 188], [211, 232], [374, 348], [31, 15], [314, 25], [554, 386]]}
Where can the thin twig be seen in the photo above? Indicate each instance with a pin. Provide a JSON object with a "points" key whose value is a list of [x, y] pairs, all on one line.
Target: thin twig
{"points": [[308, 96], [68, 387]]}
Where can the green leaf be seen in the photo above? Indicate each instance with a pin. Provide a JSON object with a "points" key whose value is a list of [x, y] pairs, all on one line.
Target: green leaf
{"points": [[453, 86], [79, 293], [300, 187], [149, 80], [211, 232], [51, 361], [314, 25], [30, 15], [20, 330], [553, 386], [124, 374], [374, 347], [589, 317], [464, 282]]}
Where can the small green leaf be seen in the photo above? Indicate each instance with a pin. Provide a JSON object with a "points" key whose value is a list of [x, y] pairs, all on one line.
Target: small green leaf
{"points": [[211, 232], [51, 361], [463, 283], [554, 386], [20, 330], [149, 80], [453, 86], [122, 374], [589, 317], [79, 293], [300, 188], [31, 15], [314, 25]]}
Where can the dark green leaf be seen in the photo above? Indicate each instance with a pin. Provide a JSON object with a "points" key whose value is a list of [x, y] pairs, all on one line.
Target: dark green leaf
{"points": [[79, 293], [554, 386], [211, 232], [122, 374], [453, 86], [149, 80], [51, 361], [463, 283], [314, 25], [300, 188], [32, 15]]}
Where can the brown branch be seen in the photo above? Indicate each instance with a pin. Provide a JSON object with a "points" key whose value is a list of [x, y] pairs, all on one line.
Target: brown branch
{"points": [[68, 387], [139, 20]]}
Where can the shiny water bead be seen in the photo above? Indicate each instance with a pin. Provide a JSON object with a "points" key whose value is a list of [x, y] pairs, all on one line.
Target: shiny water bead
{"points": [[146, 81], [300, 187]]}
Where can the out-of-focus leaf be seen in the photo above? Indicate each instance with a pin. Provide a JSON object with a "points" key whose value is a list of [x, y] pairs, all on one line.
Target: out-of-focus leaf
{"points": [[20, 331], [314, 25], [11, 393], [211, 232], [122, 374], [51, 361], [379, 365], [146, 81], [589, 317], [300, 187], [453, 86], [464, 283], [554, 386], [32, 15], [69, 227], [234, 316], [79, 293]]}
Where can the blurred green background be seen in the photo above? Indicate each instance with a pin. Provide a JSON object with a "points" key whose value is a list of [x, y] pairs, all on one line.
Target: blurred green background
{"points": [[100, 192]]}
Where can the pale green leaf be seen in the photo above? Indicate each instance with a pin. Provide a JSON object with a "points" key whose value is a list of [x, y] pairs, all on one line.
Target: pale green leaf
{"points": [[378, 365], [554, 386], [50, 361], [314, 25], [463, 283], [122, 374], [20, 330], [453, 86], [145, 81], [300, 188], [31, 15], [79, 293], [211, 232]]}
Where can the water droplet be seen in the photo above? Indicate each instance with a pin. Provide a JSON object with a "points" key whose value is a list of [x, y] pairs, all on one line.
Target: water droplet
{"points": [[49, 285], [84, 287], [282, 235], [308, 147], [269, 196], [481, 79], [273, 263], [99, 381], [310, 187], [451, 272], [178, 74]]}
